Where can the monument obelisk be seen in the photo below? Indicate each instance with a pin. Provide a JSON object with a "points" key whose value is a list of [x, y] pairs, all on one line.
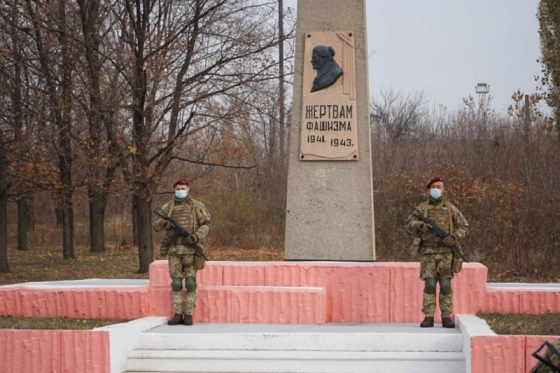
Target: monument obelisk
{"points": [[330, 195]]}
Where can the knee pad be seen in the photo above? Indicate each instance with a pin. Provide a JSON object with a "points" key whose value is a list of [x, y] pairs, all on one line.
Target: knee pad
{"points": [[445, 286], [176, 284], [191, 284], [430, 285]]}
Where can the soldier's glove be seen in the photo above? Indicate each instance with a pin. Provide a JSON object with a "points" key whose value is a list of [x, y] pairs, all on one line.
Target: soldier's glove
{"points": [[166, 225], [450, 240], [423, 227], [191, 239]]}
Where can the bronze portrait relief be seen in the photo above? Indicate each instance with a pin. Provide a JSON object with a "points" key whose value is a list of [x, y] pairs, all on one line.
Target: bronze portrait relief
{"points": [[328, 70]]}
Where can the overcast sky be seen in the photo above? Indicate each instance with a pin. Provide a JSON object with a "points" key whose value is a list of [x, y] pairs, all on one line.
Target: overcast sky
{"points": [[443, 48]]}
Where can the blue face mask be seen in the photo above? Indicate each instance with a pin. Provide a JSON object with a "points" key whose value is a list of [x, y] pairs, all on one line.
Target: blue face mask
{"points": [[435, 193], [181, 194]]}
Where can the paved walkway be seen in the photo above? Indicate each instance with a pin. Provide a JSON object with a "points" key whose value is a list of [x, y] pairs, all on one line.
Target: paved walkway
{"points": [[331, 328]]}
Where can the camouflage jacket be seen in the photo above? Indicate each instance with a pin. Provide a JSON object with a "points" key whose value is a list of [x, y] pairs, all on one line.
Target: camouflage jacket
{"points": [[438, 208], [191, 215]]}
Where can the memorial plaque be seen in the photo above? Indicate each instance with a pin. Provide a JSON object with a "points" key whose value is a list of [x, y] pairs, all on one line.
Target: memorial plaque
{"points": [[329, 128]]}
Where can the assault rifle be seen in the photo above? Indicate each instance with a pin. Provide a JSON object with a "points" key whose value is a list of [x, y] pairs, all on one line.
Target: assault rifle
{"points": [[179, 232], [437, 232]]}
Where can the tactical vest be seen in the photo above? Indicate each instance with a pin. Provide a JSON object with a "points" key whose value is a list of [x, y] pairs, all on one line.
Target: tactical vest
{"points": [[442, 215], [185, 214]]}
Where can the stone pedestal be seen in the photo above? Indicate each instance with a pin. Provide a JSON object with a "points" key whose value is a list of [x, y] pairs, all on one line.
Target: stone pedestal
{"points": [[330, 196]]}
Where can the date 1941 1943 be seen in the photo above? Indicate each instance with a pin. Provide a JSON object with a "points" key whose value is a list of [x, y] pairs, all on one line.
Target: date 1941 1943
{"points": [[334, 142]]}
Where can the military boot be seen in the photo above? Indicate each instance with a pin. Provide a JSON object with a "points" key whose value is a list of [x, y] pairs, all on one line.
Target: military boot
{"points": [[427, 323], [176, 320], [188, 320], [446, 322]]}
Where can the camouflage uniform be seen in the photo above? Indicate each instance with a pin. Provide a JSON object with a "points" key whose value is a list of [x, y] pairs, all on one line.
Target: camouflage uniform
{"points": [[552, 358], [436, 261], [194, 217]]}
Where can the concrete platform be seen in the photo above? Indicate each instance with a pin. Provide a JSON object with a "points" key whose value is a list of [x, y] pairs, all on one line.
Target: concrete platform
{"points": [[367, 311], [279, 292], [328, 328], [331, 347]]}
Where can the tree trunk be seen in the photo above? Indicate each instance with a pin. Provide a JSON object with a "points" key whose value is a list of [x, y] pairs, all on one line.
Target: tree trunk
{"points": [[4, 267], [65, 140], [22, 227], [144, 218], [134, 222], [67, 226], [281, 100], [97, 114], [30, 205], [97, 205], [58, 210]]}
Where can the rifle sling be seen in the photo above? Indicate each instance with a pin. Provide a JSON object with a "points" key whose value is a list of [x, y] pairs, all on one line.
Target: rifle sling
{"points": [[171, 208]]}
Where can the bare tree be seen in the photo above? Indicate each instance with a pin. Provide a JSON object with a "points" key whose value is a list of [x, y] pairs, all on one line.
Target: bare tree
{"points": [[50, 30], [179, 60], [4, 266], [100, 102], [396, 116], [396, 121]]}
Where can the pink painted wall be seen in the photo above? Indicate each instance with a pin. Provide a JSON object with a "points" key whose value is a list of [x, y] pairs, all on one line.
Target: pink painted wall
{"points": [[354, 292], [248, 304], [505, 353], [516, 301], [532, 343], [370, 292], [54, 351], [251, 305], [112, 303]]}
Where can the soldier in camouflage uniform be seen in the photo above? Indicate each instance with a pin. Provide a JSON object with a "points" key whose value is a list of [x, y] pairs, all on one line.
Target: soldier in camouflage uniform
{"points": [[437, 261], [183, 261]]}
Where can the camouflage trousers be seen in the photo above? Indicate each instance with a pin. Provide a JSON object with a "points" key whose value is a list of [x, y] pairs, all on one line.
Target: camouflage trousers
{"points": [[437, 266], [181, 266]]}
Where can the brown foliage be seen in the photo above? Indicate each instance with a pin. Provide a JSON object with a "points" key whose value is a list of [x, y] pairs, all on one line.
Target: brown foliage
{"points": [[498, 170]]}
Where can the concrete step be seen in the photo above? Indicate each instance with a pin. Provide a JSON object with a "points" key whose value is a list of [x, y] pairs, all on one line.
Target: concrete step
{"points": [[420, 342], [295, 361], [298, 348]]}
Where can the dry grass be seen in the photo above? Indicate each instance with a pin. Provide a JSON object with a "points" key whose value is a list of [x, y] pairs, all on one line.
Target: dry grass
{"points": [[48, 265], [522, 324], [45, 323]]}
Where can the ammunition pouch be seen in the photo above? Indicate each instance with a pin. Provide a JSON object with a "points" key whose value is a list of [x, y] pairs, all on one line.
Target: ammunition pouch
{"points": [[456, 264], [199, 262]]}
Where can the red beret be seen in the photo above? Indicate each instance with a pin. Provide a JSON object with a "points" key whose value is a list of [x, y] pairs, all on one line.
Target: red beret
{"points": [[433, 180], [181, 182]]}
